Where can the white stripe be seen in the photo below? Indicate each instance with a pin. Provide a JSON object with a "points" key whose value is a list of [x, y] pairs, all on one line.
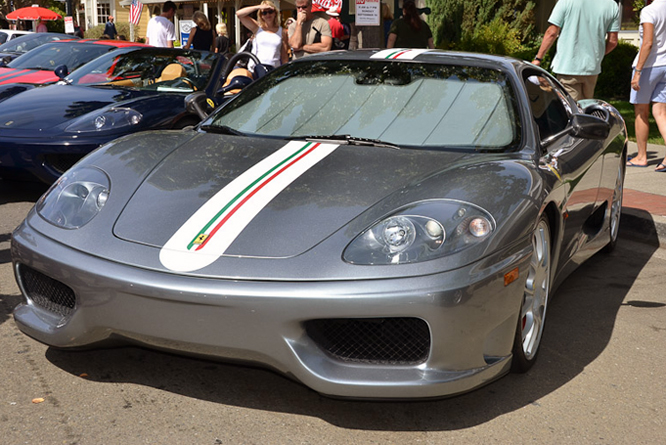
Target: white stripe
{"points": [[409, 55], [175, 256]]}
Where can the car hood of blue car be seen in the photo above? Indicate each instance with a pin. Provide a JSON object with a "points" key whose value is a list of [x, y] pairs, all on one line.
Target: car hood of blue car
{"points": [[48, 110]]}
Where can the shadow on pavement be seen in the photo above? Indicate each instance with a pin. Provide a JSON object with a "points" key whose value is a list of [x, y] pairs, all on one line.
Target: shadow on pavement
{"points": [[581, 318], [20, 191]]}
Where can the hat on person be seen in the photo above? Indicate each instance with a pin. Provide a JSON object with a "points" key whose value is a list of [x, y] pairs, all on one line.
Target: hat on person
{"points": [[333, 11], [316, 7]]}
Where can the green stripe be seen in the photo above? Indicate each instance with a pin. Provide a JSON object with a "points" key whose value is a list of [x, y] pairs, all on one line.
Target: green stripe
{"points": [[393, 53], [237, 197]]}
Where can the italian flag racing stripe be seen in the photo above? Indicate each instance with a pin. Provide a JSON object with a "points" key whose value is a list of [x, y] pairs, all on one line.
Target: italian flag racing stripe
{"points": [[207, 234], [398, 53]]}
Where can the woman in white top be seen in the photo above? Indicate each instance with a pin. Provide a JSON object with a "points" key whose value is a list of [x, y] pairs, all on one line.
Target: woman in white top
{"points": [[648, 83], [269, 43]]}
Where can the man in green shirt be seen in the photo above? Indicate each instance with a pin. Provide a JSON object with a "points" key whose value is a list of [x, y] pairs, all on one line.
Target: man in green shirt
{"points": [[585, 30]]}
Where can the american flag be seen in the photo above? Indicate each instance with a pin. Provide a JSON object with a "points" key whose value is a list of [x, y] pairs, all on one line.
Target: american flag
{"points": [[135, 12]]}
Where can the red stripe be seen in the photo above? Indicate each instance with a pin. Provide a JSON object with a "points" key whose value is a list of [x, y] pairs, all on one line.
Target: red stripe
{"points": [[251, 194], [399, 54], [14, 72]]}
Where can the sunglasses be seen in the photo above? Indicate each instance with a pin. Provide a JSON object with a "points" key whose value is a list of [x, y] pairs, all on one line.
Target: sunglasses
{"points": [[268, 11]]}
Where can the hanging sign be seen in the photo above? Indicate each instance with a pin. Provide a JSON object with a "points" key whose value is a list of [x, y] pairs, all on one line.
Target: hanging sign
{"points": [[69, 25], [367, 12], [185, 28]]}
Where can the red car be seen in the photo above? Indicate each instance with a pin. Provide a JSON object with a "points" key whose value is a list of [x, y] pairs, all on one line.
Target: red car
{"points": [[37, 65]]}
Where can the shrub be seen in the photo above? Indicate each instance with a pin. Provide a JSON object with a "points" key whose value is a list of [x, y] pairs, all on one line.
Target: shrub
{"points": [[496, 37], [451, 20], [123, 29], [615, 78]]}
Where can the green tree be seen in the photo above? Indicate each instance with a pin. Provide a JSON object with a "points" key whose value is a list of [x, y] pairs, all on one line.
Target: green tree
{"points": [[453, 21]]}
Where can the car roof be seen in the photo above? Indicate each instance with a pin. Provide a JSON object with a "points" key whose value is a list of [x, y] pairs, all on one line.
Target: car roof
{"points": [[35, 35], [435, 56], [14, 32]]}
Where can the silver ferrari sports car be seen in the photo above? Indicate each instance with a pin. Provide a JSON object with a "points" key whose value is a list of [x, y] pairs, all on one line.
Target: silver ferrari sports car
{"points": [[374, 224]]}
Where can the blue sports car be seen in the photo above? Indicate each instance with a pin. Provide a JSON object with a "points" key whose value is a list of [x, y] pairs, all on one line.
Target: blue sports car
{"points": [[45, 130]]}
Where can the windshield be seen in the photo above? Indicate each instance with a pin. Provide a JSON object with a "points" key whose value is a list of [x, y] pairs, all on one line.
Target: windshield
{"points": [[405, 104], [28, 42], [157, 69], [51, 55]]}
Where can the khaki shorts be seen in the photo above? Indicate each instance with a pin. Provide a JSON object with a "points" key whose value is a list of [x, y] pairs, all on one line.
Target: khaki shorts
{"points": [[579, 87]]}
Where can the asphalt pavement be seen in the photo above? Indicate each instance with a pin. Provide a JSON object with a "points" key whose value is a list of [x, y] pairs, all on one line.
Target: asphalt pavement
{"points": [[644, 198]]}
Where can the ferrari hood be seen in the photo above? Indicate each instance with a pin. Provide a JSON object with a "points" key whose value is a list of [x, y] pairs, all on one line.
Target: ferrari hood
{"points": [[41, 109], [272, 198]]}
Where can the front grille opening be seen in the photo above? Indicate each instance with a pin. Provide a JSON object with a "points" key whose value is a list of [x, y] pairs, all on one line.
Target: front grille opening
{"points": [[46, 292], [62, 162], [390, 341]]}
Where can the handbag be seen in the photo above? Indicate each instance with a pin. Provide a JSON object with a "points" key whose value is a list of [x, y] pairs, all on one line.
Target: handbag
{"points": [[247, 46]]}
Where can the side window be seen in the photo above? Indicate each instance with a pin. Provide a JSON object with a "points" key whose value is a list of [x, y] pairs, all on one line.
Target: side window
{"points": [[550, 108]]}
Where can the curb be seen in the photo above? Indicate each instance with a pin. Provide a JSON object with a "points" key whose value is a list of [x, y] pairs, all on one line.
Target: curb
{"points": [[640, 225]]}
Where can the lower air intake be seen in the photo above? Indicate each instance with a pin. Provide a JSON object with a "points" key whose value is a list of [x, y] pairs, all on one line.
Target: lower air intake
{"points": [[46, 292], [62, 162], [390, 341]]}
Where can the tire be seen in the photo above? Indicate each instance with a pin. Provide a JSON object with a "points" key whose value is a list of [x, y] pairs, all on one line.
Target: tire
{"points": [[532, 315], [615, 210]]}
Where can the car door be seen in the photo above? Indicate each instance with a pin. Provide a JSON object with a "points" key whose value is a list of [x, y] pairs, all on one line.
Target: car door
{"points": [[575, 161]]}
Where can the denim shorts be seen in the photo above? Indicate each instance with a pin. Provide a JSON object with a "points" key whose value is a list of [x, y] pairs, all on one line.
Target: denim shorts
{"points": [[653, 86]]}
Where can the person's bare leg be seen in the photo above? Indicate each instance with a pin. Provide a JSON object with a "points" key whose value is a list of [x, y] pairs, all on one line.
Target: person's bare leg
{"points": [[642, 125], [659, 113]]}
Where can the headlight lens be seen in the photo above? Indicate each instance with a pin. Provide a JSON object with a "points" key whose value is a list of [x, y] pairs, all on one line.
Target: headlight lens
{"points": [[75, 198], [423, 231], [106, 120]]}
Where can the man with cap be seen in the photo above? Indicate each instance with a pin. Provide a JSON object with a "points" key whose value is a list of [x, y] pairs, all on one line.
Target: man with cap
{"points": [[337, 31]]}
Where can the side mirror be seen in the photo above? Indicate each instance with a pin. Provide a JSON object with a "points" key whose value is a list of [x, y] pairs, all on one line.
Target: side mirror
{"points": [[582, 126], [237, 83], [5, 60], [588, 127], [61, 71], [197, 103]]}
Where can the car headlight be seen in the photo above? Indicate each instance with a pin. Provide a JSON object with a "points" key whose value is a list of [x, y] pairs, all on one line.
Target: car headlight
{"points": [[106, 120], [420, 232], [75, 198]]}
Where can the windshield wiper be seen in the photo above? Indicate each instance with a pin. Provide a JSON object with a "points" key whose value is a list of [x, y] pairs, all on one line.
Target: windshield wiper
{"points": [[222, 129], [348, 140]]}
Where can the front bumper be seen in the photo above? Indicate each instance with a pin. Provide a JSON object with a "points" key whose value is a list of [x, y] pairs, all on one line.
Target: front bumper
{"points": [[471, 316]]}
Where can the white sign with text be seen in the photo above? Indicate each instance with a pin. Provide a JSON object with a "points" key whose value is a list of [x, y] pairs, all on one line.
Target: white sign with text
{"points": [[367, 12]]}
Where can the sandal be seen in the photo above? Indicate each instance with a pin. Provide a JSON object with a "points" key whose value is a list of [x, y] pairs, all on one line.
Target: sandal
{"points": [[631, 164], [661, 168]]}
